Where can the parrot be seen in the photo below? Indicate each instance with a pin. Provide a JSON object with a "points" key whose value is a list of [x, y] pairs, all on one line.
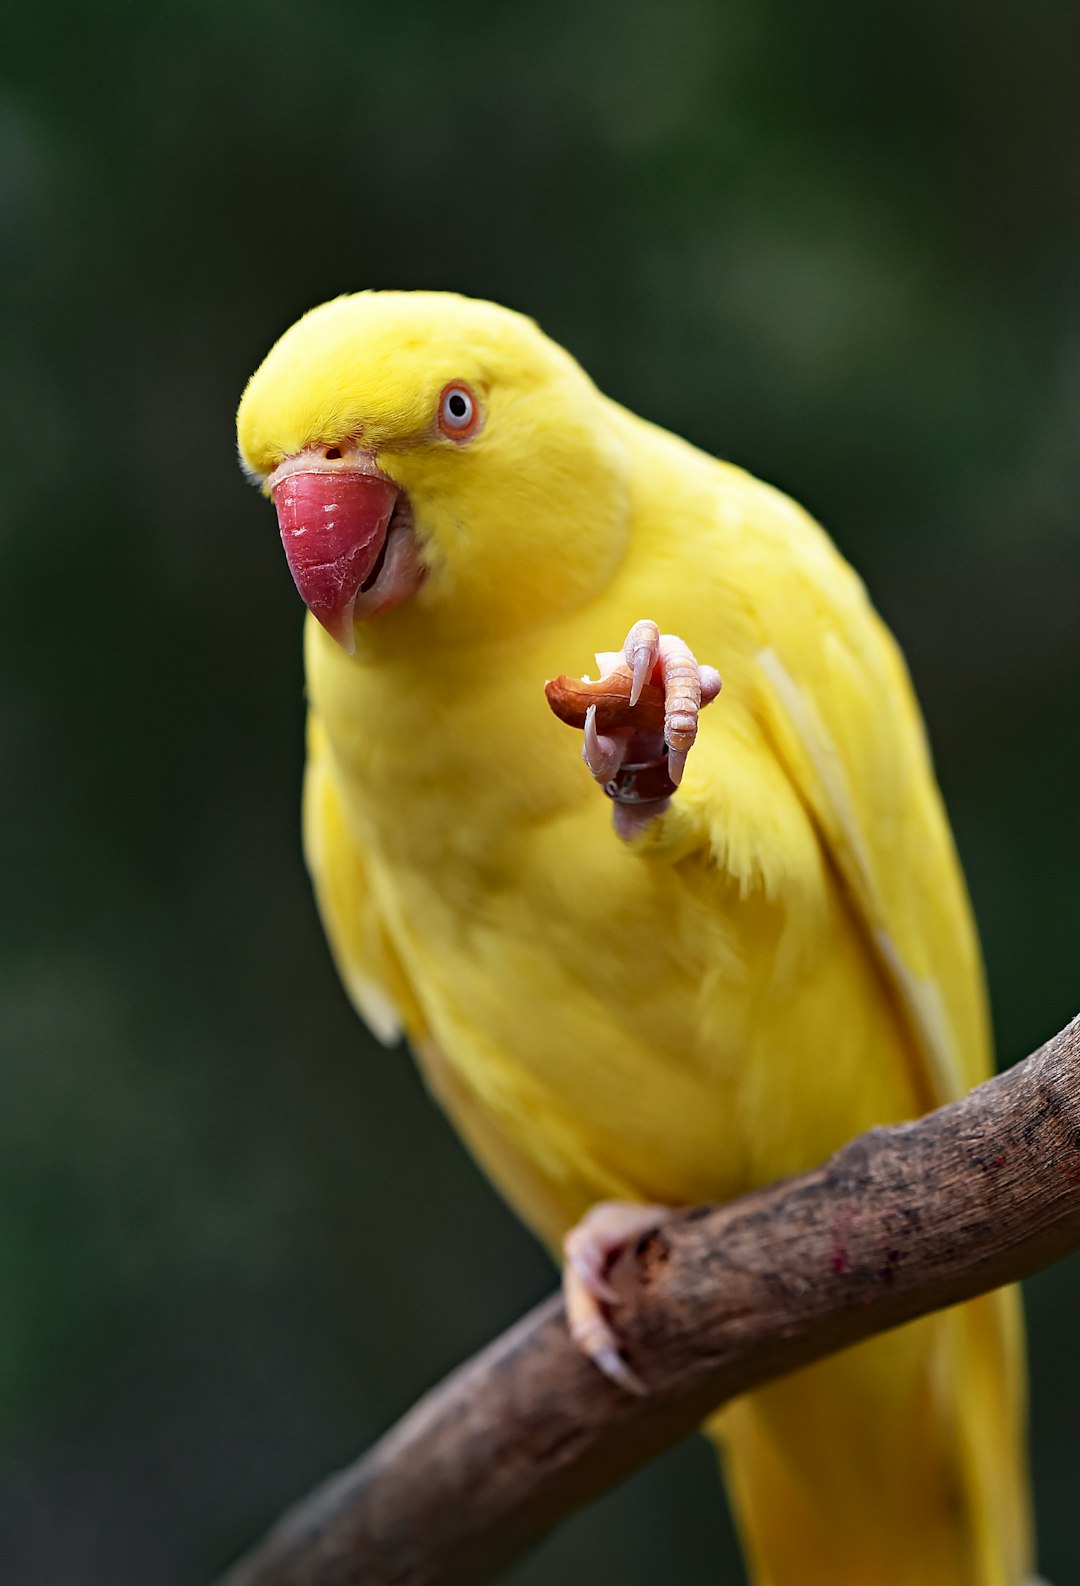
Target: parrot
{"points": [[634, 990]]}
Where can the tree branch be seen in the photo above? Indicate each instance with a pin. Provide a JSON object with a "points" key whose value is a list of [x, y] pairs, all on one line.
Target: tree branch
{"points": [[716, 1301]]}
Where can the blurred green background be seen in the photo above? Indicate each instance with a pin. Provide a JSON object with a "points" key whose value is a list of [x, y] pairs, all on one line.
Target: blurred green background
{"points": [[836, 243]]}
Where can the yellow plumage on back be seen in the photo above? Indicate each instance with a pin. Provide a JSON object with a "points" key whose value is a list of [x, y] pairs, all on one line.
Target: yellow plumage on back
{"points": [[780, 957]]}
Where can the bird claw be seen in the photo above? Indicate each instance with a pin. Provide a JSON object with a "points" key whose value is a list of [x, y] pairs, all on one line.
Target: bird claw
{"points": [[642, 651], [602, 754], [589, 1249], [669, 662], [615, 1369]]}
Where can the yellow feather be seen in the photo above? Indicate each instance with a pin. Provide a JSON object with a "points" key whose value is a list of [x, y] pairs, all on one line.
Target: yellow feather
{"points": [[783, 959]]}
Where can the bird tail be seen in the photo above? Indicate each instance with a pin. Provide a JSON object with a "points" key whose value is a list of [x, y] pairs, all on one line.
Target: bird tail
{"points": [[899, 1462]]}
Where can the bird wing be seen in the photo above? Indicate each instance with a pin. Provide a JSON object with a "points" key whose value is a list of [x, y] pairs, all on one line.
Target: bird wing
{"points": [[369, 967], [834, 698]]}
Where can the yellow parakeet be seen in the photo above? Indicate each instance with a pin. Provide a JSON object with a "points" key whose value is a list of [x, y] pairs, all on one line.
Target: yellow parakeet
{"points": [[720, 988]]}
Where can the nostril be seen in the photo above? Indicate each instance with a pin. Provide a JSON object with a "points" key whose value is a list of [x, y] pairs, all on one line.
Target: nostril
{"points": [[332, 453]]}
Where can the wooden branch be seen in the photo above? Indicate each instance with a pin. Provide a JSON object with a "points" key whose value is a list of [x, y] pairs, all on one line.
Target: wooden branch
{"points": [[717, 1300]]}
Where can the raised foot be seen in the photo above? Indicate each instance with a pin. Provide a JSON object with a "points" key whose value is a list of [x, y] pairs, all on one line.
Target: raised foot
{"points": [[589, 1249], [641, 769]]}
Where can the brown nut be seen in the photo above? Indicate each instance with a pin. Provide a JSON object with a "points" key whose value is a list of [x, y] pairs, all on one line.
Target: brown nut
{"points": [[570, 698]]}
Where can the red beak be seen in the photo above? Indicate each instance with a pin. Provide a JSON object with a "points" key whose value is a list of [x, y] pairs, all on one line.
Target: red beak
{"points": [[333, 527]]}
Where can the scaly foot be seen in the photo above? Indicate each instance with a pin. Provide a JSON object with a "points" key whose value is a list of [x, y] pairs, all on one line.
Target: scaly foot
{"points": [[589, 1249], [640, 770]]}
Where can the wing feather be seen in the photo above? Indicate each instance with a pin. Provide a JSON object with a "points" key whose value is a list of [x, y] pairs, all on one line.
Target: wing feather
{"points": [[836, 702]]}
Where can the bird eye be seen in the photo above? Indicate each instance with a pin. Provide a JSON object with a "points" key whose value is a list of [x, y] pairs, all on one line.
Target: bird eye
{"points": [[459, 414]]}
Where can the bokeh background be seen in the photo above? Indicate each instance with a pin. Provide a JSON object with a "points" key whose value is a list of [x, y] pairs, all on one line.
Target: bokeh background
{"points": [[836, 243]]}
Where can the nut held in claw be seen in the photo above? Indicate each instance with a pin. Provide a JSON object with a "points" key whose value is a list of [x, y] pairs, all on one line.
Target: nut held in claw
{"points": [[570, 698]]}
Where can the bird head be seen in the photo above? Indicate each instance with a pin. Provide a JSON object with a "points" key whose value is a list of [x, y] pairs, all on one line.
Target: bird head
{"points": [[434, 452]]}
